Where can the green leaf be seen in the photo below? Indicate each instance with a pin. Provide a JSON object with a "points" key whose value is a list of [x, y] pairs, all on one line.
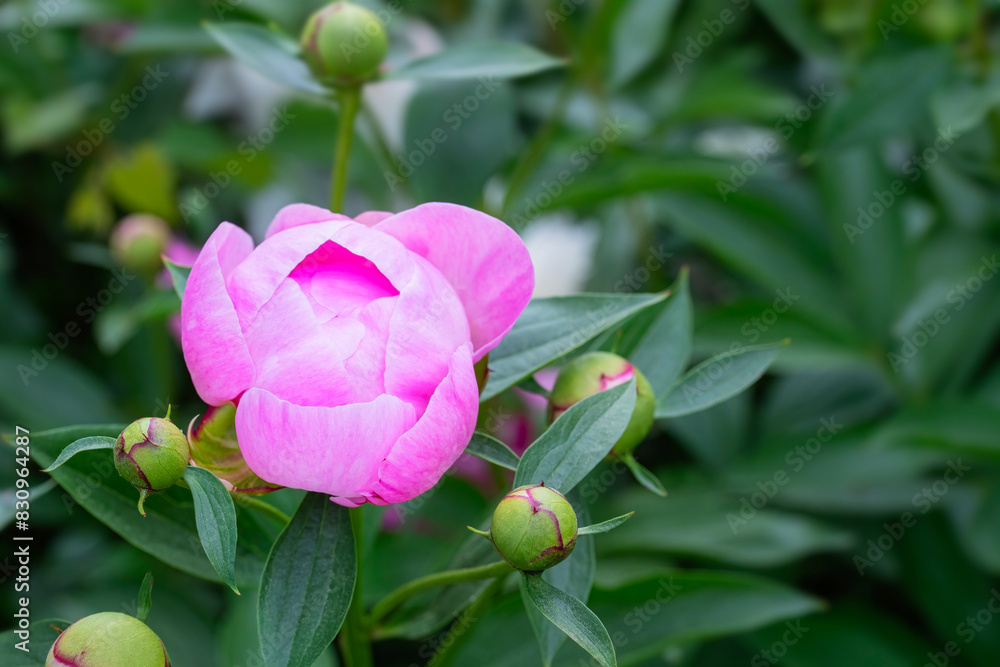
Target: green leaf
{"points": [[956, 426], [270, 52], [578, 440], [90, 481], [488, 59], [307, 584], [572, 617], [717, 379], [179, 274], [492, 450], [552, 328], [644, 476], [462, 153], [82, 445], [638, 35], [43, 636], [145, 600], [702, 521], [215, 515], [605, 526], [891, 96], [658, 339]]}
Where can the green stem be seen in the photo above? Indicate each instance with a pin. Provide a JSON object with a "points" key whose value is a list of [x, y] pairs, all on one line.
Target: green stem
{"points": [[446, 649], [354, 639], [350, 100], [264, 508], [396, 597]]}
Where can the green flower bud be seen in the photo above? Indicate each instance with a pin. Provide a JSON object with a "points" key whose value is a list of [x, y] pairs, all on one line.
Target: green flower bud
{"points": [[344, 43], [214, 447], [594, 372], [152, 455], [138, 241], [534, 528], [108, 639]]}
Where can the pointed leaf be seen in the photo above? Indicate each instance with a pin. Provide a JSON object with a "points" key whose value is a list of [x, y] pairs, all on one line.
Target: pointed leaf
{"points": [[572, 617], [307, 584], [270, 52], [179, 274], [82, 445], [215, 515], [605, 526], [578, 440], [491, 60], [717, 379], [644, 476], [492, 450], [552, 328], [145, 600]]}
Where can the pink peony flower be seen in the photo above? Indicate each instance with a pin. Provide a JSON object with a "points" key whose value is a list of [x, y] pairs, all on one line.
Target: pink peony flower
{"points": [[347, 345]]}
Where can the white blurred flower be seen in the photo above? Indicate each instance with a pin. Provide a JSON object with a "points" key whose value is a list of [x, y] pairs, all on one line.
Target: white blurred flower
{"points": [[563, 253]]}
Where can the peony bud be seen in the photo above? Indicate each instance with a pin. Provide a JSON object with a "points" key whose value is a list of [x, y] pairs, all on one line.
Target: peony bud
{"points": [[534, 528], [152, 455], [214, 447], [138, 241], [344, 43], [594, 372], [108, 639]]}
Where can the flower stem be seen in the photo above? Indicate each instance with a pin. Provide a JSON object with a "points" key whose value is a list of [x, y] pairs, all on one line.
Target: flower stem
{"points": [[354, 640], [350, 99], [396, 597], [266, 509]]}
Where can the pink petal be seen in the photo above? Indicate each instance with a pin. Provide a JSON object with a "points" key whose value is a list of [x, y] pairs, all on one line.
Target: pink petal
{"points": [[424, 453], [214, 349], [297, 358], [426, 327], [295, 215], [253, 283], [334, 450], [372, 218], [484, 259]]}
